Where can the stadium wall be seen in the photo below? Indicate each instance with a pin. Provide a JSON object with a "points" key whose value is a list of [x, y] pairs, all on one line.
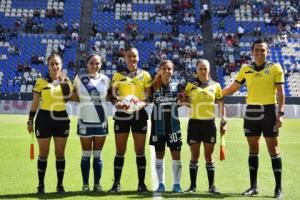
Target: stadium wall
{"points": [[233, 110]]}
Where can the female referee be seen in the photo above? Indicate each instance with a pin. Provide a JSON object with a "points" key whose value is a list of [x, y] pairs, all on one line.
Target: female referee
{"points": [[92, 127], [165, 125], [50, 94], [202, 94], [264, 81], [130, 81]]}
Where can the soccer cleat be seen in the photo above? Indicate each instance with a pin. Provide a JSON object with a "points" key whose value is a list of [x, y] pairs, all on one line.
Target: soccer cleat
{"points": [[278, 193], [115, 188], [251, 191], [161, 188], [85, 188], [41, 190], [192, 189], [213, 190], [60, 189], [97, 188], [177, 188], [142, 188]]}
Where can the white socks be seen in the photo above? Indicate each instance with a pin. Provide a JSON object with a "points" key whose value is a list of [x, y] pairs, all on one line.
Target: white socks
{"points": [[176, 166], [160, 170]]}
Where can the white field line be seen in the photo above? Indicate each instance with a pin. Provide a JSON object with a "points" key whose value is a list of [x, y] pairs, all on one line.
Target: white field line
{"points": [[154, 180]]}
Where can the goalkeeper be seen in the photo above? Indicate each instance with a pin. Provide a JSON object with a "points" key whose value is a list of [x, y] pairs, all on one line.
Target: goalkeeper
{"points": [[130, 81]]}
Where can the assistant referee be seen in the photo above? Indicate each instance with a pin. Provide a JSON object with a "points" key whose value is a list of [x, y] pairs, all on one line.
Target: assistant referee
{"points": [[50, 94]]}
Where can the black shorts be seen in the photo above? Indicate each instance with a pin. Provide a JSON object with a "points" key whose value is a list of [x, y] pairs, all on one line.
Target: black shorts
{"points": [[137, 122], [48, 124], [173, 141], [201, 131], [260, 119]]}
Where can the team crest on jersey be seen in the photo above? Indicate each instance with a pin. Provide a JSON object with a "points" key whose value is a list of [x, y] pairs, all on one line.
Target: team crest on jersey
{"points": [[211, 90], [156, 94], [141, 78], [103, 81], [85, 80], [267, 71]]}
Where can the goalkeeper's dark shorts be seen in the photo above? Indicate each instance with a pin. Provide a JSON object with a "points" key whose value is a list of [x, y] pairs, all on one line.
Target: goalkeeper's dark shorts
{"points": [[52, 123], [136, 122], [260, 119], [201, 131]]}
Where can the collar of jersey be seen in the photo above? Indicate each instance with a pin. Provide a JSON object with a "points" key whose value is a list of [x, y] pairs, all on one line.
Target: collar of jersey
{"points": [[126, 73], [259, 68], [203, 85]]}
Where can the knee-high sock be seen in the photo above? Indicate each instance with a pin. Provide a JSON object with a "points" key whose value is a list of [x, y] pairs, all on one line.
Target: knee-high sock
{"points": [[60, 168], [118, 167], [193, 172], [210, 169], [141, 167], [85, 166], [42, 166], [159, 167], [253, 168], [97, 166], [277, 168], [176, 169]]}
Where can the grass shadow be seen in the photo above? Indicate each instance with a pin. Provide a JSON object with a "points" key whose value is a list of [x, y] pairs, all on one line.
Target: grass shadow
{"points": [[128, 194]]}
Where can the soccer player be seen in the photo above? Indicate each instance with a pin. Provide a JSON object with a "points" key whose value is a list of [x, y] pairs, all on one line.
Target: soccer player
{"points": [[264, 81], [165, 125], [202, 94], [50, 94], [130, 81], [92, 127]]}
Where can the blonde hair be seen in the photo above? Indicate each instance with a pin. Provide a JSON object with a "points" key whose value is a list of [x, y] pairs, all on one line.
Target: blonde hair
{"points": [[53, 55]]}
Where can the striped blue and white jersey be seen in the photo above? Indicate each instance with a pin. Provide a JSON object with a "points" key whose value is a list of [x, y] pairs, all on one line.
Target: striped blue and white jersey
{"points": [[92, 94]]}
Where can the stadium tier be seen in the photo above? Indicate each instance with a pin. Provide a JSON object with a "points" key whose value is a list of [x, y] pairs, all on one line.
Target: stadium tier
{"points": [[161, 29]]}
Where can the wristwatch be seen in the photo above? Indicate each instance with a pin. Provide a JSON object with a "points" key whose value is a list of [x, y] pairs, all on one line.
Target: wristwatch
{"points": [[281, 113]]}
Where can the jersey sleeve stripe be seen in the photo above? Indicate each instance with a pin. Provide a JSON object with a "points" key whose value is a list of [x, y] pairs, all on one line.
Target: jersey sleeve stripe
{"points": [[240, 82], [279, 83]]}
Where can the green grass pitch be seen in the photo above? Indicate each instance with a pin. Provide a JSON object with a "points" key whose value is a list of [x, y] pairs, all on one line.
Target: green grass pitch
{"points": [[18, 176]]}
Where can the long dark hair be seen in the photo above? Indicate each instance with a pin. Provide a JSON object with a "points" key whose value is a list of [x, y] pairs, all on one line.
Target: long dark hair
{"points": [[63, 79]]}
